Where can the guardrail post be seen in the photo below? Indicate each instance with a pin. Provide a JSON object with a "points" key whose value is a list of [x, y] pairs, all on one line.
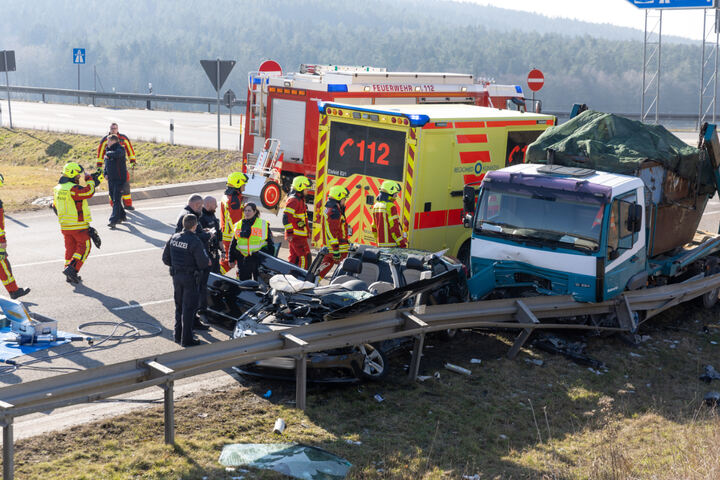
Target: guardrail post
{"points": [[169, 405], [172, 132], [300, 381], [8, 449], [43, 98], [416, 356]]}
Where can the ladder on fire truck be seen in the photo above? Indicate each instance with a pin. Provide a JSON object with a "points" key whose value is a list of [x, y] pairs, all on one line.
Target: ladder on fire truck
{"points": [[267, 163], [258, 83], [264, 173]]}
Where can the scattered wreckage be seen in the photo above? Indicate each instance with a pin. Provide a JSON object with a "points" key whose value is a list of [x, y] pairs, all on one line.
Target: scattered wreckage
{"points": [[369, 280]]}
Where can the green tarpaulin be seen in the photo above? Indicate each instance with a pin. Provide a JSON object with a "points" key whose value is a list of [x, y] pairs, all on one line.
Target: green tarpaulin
{"points": [[610, 143]]}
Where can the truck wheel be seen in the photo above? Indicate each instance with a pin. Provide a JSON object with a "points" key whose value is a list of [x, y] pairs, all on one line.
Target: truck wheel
{"points": [[710, 298], [270, 195], [464, 255]]}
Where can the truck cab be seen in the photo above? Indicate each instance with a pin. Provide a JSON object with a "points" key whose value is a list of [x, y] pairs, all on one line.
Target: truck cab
{"points": [[556, 230]]}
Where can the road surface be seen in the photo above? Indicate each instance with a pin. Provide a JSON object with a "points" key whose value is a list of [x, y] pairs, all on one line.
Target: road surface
{"points": [[194, 129]]}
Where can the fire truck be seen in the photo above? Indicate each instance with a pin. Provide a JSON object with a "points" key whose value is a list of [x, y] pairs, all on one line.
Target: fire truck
{"points": [[433, 151], [282, 116]]}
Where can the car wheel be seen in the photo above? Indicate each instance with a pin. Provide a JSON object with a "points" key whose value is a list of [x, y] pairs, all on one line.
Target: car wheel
{"points": [[270, 195], [374, 366]]}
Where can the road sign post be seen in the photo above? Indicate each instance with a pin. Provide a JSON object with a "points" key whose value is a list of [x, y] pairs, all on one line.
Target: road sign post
{"points": [[535, 81], [79, 59], [7, 64], [217, 71], [229, 99]]}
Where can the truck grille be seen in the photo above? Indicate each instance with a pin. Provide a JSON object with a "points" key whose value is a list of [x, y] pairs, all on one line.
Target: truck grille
{"points": [[508, 274]]}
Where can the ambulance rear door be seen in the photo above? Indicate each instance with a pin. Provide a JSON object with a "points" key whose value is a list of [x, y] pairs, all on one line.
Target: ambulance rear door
{"points": [[361, 154]]}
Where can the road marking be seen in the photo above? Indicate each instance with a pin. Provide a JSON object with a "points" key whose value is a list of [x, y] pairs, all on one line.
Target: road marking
{"points": [[139, 305], [61, 260]]}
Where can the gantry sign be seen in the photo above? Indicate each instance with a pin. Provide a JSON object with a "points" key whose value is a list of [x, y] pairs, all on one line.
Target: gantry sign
{"points": [[652, 50]]}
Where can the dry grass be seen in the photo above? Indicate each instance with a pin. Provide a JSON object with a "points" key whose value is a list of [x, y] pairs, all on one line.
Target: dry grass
{"points": [[31, 161], [642, 419]]}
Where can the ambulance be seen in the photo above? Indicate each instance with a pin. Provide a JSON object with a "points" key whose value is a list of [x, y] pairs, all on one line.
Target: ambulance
{"points": [[282, 107], [433, 151]]}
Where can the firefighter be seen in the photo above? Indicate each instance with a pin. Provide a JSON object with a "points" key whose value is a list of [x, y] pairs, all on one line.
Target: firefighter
{"points": [[386, 221], [335, 229], [231, 212], [70, 205], [295, 220], [130, 151], [6, 274], [251, 235]]}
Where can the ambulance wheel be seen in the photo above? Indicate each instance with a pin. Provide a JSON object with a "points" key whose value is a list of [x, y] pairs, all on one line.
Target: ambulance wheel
{"points": [[270, 195]]}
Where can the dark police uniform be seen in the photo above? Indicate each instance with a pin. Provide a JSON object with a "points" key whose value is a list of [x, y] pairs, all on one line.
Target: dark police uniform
{"points": [[208, 220], [185, 255]]}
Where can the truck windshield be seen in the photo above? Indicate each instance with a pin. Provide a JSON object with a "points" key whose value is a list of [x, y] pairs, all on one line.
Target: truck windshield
{"points": [[543, 220]]}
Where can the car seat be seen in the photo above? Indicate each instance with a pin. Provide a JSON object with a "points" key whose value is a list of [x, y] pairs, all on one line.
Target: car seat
{"points": [[414, 266]]}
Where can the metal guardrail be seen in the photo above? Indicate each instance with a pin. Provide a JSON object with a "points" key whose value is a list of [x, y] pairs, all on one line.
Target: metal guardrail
{"points": [[142, 97], [163, 370]]}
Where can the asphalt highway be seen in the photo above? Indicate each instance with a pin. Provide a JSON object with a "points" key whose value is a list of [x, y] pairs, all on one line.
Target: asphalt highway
{"points": [[125, 286], [194, 129]]}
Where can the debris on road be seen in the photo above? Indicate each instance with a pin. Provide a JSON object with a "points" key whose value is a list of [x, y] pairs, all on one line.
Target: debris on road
{"points": [[712, 399], [534, 361], [476, 360], [378, 398], [267, 394], [574, 351], [296, 461], [279, 427], [710, 374], [458, 369]]}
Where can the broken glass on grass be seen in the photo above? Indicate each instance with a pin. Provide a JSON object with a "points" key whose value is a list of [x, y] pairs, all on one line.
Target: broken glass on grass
{"points": [[297, 461]]}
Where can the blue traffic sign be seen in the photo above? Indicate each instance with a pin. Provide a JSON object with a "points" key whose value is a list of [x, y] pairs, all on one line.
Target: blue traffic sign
{"points": [[673, 3], [79, 55]]}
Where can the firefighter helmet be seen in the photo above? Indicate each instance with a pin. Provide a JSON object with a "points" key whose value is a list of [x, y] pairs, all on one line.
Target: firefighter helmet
{"points": [[237, 179], [300, 183], [72, 169], [338, 192], [390, 187]]}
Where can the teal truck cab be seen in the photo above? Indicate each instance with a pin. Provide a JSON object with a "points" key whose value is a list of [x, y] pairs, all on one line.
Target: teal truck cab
{"points": [[549, 229]]}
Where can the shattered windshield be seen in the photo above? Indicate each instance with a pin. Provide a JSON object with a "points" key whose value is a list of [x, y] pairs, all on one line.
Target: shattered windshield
{"points": [[541, 219]]}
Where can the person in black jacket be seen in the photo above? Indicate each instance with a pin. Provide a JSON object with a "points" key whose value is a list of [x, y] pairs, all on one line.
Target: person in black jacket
{"points": [[206, 236], [185, 255], [210, 223], [116, 174], [247, 260]]}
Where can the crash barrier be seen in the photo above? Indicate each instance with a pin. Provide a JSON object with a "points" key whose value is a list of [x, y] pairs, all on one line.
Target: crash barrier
{"points": [[141, 97], [163, 370]]}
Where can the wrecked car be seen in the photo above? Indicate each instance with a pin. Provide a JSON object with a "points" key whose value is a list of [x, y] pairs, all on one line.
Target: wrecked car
{"points": [[369, 280]]}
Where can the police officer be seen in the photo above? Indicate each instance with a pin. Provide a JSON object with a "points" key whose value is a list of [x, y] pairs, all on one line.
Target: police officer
{"points": [[185, 255]]}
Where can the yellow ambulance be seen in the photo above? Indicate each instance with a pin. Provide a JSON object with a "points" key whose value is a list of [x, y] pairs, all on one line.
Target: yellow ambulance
{"points": [[432, 150]]}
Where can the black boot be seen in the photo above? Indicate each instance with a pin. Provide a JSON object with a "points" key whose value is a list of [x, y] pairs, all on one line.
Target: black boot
{"points": [[71, 274], [20, 292]]}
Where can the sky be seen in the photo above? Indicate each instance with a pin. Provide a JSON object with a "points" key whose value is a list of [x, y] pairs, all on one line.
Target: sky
{"points": [[682, 23]]}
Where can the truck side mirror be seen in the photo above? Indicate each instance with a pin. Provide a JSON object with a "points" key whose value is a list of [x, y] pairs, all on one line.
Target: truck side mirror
{"points": [[634, 218]]}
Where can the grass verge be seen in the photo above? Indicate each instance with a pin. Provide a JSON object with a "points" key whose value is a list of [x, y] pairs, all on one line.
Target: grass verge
{"points": [[642, 418], [31, 162]]}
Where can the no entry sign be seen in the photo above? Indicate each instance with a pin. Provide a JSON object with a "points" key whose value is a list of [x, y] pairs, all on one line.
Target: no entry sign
{"points": [[535, 80]]}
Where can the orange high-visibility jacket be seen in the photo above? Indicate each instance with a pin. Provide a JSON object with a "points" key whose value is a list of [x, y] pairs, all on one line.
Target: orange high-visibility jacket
{"points": [[295, 217], [231, 212], [335, 232], [124, 141], [386, 225]]}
